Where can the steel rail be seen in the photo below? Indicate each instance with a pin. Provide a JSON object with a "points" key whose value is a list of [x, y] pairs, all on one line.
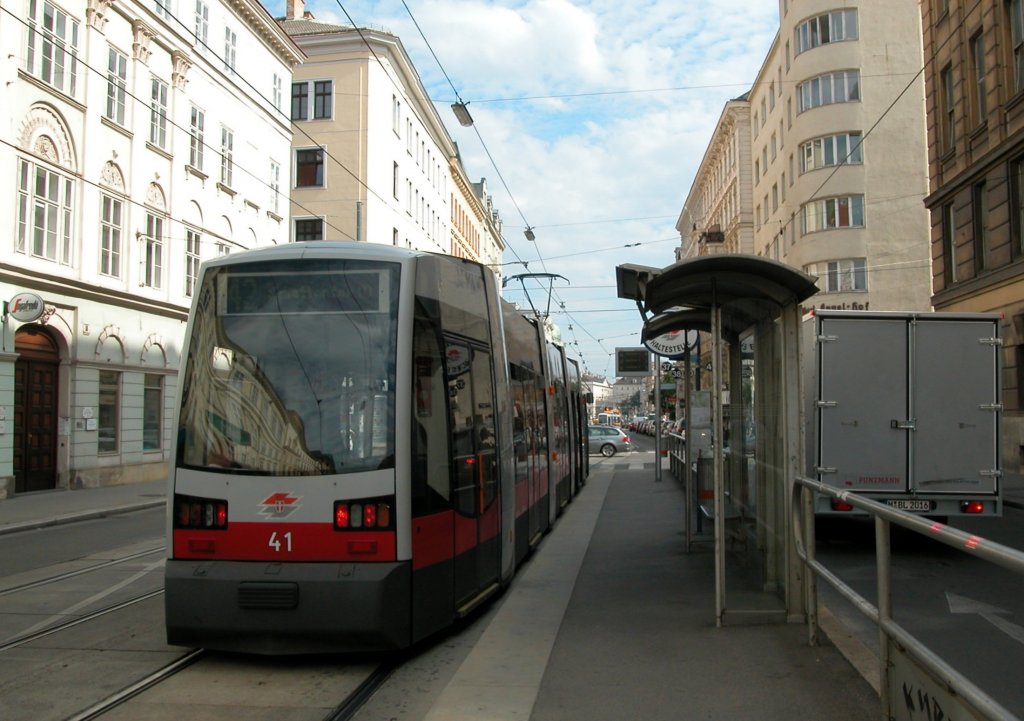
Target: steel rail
{"points": [[991, 551], [128, 692], [79, 572], [27, 638]]}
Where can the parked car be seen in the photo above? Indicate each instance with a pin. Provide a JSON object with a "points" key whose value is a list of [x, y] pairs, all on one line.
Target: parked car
{"points": [[608, 440]]}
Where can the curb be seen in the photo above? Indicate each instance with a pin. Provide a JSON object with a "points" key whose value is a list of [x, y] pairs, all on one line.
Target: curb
{"points": [[79, 516]]}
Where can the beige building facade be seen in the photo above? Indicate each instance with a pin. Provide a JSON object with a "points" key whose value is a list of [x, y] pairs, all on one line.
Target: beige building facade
{"points": [[836, 157], [372, 160]]}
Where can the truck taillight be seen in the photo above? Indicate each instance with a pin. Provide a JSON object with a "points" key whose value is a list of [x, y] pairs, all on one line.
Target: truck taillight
{"points": [[972, 507], [373, 515], [200, 513]]}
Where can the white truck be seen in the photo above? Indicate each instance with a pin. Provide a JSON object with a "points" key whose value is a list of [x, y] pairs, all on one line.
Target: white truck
{"points": [[905, 408]]}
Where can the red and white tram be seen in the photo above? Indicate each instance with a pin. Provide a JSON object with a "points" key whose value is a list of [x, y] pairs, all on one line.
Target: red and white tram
{"points": [[369, 442]]}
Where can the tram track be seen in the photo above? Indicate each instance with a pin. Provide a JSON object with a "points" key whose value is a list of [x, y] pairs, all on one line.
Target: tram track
{"points": [[50, 630], [132, 690], [79, 571]]}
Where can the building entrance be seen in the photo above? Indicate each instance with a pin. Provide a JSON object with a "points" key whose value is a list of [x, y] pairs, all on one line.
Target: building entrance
{"points": [[36, 388]]}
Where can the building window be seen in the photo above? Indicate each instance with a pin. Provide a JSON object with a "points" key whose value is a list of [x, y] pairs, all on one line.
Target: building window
{"points": [[396, 115], [153, 252], [832, 213], [196, 143], [109, 405], [158, 113], [202, 23], [775, 197], [52, 46], [838, 87], [192, 260], [230, 49], [394, 180], [163, 9], [117, 86], [45, 212], [1017, 206], [152, 411], [309, 168], [979, 101], [948, 116], [322, 92], [111, 223], [1017, 43], [949, 244], [275, 186], [831, 150], [981, 237], [277, 92], [840, 276], [309, 229], [831, 27], [227, 156]]}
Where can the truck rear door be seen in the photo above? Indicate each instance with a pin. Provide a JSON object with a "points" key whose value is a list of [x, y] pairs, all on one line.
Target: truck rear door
{"points": [[954, 395], [862, 388]]}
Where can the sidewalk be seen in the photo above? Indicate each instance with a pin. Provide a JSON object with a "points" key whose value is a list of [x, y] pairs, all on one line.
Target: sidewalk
{"points": [[48, 508], [610, 620]]}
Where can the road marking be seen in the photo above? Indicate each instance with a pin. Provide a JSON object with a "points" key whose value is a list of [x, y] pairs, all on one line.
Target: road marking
{"points": [[963, 604]]}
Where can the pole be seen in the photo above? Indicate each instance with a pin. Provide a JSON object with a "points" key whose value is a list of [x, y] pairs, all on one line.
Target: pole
{"points": [[657, 421]]}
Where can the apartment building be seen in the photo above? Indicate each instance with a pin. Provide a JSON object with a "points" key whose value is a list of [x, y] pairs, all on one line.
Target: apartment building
{"points": [[140, 138], [718, 215], [836, 157], [372, 158], [974, 71]]}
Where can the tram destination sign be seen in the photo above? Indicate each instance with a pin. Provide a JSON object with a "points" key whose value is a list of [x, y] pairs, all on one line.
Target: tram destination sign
{"points": [[632, 362]]}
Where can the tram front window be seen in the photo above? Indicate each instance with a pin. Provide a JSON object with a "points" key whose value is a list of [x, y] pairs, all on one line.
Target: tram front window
{"points": [[291, 369]]}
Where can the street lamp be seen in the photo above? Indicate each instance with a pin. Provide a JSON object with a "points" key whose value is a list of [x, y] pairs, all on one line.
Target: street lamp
{"points": [[462, 114]]}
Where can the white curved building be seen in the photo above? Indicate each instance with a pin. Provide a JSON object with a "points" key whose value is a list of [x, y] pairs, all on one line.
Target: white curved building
{"points": [[838, 154]]}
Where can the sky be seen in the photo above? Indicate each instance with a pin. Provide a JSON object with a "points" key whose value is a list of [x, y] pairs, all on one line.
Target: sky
{"points": [[591, 118]]}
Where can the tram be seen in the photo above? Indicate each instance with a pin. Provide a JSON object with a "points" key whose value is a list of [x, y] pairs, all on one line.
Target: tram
{"points": [[369, 442]]}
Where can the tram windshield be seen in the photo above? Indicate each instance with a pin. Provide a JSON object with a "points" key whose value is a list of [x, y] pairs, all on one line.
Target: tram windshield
{"points": [[291, 369]]}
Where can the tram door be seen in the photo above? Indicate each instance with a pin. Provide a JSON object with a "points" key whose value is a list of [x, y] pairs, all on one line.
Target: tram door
{"points": [[475, 476], [35, 410]]}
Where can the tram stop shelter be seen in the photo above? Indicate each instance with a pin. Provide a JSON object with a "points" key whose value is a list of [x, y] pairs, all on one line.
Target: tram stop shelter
{"points": [[749, 307]]}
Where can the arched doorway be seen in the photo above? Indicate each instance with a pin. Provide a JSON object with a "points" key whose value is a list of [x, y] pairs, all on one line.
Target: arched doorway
{"points": [[35, 409]]}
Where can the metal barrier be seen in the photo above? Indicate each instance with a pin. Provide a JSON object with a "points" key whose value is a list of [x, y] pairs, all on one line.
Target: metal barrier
{"points": [[903, 658]]}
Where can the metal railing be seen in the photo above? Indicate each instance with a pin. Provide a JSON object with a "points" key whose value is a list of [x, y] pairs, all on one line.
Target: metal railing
{"points": [[897, 645]]}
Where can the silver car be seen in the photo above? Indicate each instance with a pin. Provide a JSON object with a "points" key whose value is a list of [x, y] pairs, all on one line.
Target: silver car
{"points": [[608, 440]]}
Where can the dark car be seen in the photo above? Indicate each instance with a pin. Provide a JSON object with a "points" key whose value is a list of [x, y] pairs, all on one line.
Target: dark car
{"points": [[608, 440]]}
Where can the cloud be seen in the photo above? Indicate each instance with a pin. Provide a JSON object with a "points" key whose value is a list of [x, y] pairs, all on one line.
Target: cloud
{"points": [[632, 92]]}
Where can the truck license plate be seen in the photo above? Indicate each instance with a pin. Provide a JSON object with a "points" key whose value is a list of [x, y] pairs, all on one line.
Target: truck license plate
{"points": [[909, 505]]}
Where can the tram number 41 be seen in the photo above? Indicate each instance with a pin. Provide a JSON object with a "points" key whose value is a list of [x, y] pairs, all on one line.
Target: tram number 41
{"points": [[283, 541]]}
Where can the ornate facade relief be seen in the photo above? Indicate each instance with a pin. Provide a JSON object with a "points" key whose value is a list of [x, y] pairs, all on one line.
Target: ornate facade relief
{"points": [[155, 197], [96, 13], [110, 346], [43, 133], [143, 37], [182, 64], [112, 177]]}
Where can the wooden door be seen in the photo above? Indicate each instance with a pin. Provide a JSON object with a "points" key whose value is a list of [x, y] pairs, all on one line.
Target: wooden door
{"points": [[35, 410]]}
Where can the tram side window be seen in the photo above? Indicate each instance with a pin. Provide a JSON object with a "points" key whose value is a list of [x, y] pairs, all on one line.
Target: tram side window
{"points": [[474, 451], [431, 480]]}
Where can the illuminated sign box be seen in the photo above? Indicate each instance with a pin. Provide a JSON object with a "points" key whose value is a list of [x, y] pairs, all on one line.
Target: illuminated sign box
{"points": [[632, 362]]}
